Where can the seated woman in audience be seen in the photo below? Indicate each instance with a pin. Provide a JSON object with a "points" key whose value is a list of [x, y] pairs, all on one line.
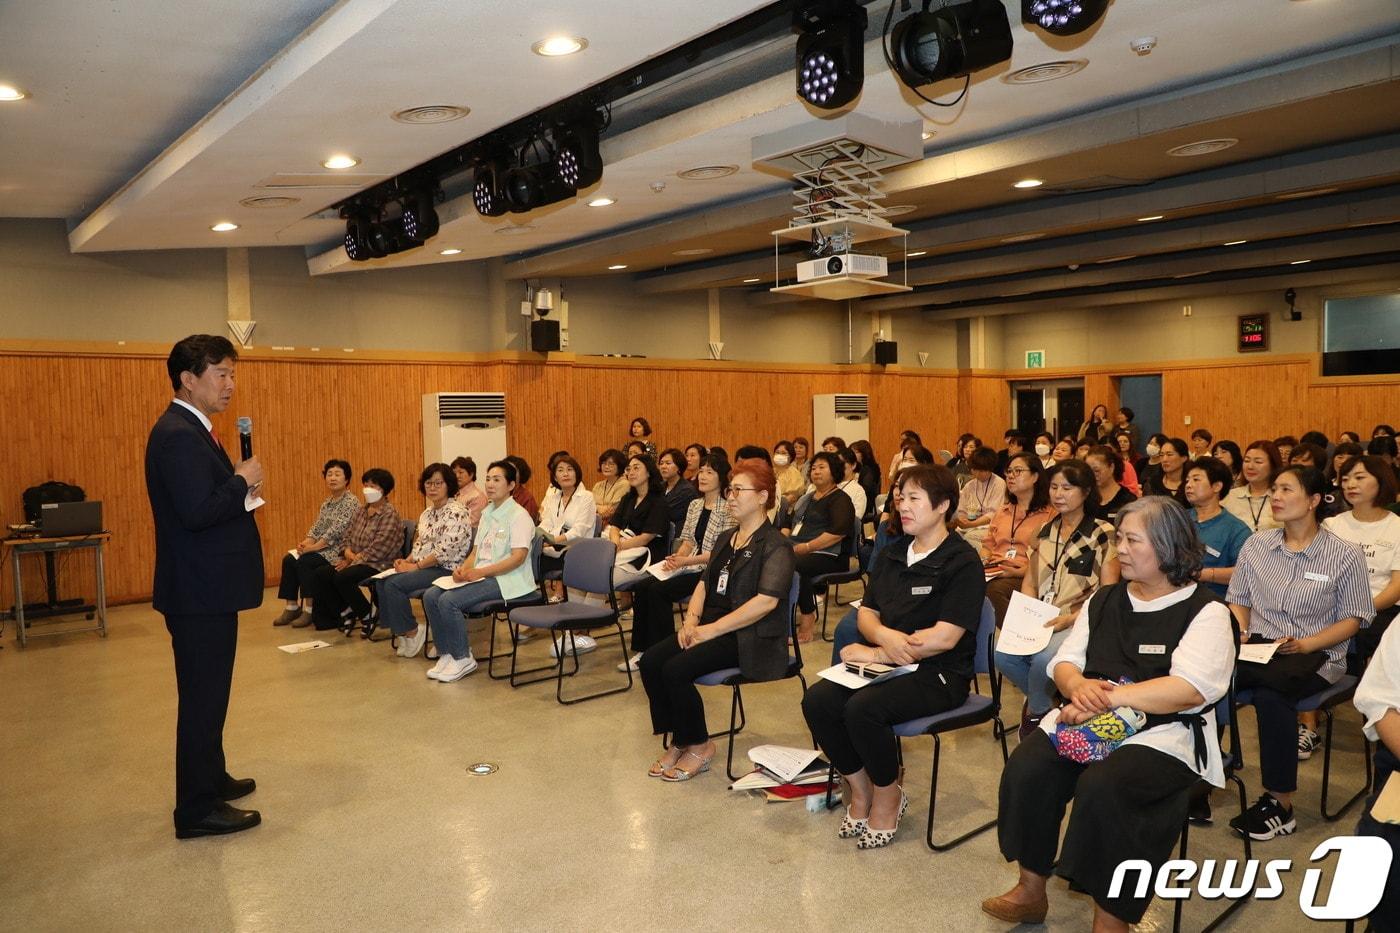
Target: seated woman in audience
{"points": [[678, 491], [867, 472], [1382, 430], [1044, 447], [963, 449], [1348, 437], [1221, 534], [640, 523], [568, 513], [609, 490], [1150, 462], [1170, 474], [1123, 443], [1071, 558], [981, 496], [468, 493], [639, 432], [373, 540], [498, 568], [522, 493], [1284, 445], [907, 438], [443, 540], [1303, 588], [823, 522], [652, 599], [1132, 803], [1097, 428], [802, 455], [833, 445], [1200, 442], [851, 484], [888, 530], [1081, 450], [635, 449], [922, 606], [1249, 502], [1014, 528], [1341, 455], [319, 549], [1312, 455], [1063, 450], [738, 616], [791, 483], [1369, 485], [1108, 467], [1383, 446], [694, 453], [1378, 701], [1228, 453]]}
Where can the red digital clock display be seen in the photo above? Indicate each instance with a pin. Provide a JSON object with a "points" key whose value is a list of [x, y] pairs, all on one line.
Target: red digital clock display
{"points": [[1253, 332]]}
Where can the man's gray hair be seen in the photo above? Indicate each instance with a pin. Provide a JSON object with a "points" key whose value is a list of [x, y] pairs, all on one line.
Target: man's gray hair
{"points": [[1172, 533]]}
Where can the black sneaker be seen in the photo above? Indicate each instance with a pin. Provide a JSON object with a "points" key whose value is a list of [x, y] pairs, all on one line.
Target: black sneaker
{"points": [[1308, 741], [1199, 811], [1265, 820]]}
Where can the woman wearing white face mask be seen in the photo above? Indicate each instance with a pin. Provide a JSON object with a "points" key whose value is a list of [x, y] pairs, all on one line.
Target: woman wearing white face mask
{"points": [[1152, 457], [374, 539], [791, 484], [1044, 447]]}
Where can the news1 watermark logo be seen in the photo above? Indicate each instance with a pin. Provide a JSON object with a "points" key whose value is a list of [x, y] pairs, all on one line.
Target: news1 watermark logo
{"points": [[1358, 880]]}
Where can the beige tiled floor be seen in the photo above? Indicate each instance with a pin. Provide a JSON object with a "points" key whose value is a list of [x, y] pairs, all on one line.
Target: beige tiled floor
{"points": [[371, 820]]}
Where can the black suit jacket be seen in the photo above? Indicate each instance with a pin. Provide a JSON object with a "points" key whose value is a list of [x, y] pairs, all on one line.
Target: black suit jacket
{"points": [[208, 551]]}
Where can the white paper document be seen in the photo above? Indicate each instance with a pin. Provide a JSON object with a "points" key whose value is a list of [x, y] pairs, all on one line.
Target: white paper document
{"points": [[301, 646], [784, 762], [838, 674], [1024, 631], [251, 500], [854, 604], [448, 583], [295, 553], [1259, 653], [384, 573], [661, 573]]}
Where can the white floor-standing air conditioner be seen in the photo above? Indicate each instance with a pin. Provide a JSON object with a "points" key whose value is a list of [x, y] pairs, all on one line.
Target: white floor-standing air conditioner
{"points": [[464, 424], [843, 416]]}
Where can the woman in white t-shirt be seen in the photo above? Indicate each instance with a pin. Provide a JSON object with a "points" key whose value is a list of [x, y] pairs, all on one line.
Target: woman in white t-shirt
{"points": [[1369, 486]]}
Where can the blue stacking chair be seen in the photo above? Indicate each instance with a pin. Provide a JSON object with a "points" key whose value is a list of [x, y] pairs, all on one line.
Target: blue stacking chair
{"points": [[831, 582]]}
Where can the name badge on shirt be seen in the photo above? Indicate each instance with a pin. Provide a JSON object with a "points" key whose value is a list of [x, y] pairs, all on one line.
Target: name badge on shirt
{"points": [[797, 529], [1212, 551], [1318, 577], [920, 591], [722, 583], [1152, 649], [1011, 553]]}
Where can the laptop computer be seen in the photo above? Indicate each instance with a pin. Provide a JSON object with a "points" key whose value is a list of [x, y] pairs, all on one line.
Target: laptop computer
{"points": [[64, 519]]}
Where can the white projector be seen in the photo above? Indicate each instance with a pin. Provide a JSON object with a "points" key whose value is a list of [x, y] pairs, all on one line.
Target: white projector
{"points": [[852, 264]]}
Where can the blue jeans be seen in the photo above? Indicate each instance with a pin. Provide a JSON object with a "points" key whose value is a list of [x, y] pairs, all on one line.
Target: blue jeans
{"points": [[396, 593], [445, 609], [1027, 672], [847, 633]]}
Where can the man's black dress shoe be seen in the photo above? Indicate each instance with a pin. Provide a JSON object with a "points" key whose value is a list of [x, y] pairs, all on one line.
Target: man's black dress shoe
{"points": [[237, 787], [223, 820]]}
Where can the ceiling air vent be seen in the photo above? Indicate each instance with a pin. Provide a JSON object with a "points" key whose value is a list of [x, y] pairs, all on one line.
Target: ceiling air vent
{"points": [[1202, 147], [1046, 71], [432, 113]]}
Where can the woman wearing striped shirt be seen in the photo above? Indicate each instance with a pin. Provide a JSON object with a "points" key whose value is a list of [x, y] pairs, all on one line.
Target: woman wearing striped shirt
{"points": [[1305, 589]]}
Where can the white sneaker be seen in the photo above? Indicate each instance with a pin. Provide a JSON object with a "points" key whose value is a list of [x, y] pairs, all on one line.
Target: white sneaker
{"points": [[456, 670], [633, 664], [439, 667], [583, 643], [410, 645]]}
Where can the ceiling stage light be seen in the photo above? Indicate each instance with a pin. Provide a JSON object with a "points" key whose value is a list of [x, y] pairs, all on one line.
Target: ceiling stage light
{"points": [[486, 190], [951, 42], [420, 218], [830, 52], [1063, 17]]}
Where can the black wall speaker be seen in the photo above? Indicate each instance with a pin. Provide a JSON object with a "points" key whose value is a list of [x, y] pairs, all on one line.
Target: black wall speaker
{"points": [[544, 336], [887, 352]]}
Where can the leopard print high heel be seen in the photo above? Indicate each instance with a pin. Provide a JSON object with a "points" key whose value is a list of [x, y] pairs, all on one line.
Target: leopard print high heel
{"points": [[851, 828], [879, 838]]}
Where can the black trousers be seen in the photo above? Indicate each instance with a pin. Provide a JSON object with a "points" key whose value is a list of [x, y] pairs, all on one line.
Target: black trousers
{"points": [[999, 592], [1368, 639], [1131, 805], [814, 565], [653, 608], [668, 674], [854, 727], [335, 590], [1277, 688], [204, 647], [296, 575], [1385, 918]]}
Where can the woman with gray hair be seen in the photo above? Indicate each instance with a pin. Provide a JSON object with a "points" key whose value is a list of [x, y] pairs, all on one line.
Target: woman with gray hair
{"points": [[1143, 667]]}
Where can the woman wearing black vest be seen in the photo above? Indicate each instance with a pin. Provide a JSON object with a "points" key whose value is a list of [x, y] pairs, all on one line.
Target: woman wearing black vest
{"points": [[922, 607], [1173, 640]]}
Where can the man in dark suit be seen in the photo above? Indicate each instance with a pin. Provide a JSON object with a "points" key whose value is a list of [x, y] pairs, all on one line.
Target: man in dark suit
{"points": [[208, 567]]}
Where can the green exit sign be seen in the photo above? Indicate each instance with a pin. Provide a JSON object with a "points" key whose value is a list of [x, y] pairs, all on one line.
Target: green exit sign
{"points": [[1035, 359]]}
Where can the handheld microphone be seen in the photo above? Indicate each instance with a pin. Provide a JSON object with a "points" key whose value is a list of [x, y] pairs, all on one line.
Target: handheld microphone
{"points": [[245, 437]]}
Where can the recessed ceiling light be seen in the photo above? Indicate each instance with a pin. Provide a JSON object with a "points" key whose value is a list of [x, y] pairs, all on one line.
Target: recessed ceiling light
{"points": [[618, 267], [555, 46], [1299, 262], [341, 161], [1202, 147], [449, 252], [1143, 220], [223, 226], [917, 253], [430, 113], [698, 251], [707, 172], [10, 92], [751, 281], [1310, 193], [1236, 242], [1028, 183], [1022, 238], [601, 202]]}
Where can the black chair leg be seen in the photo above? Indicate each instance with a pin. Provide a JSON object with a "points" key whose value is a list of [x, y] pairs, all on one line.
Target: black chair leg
{"points": [[559, 687], [932, 802], [1235, 904], [736, 712], [1327, 771]]}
